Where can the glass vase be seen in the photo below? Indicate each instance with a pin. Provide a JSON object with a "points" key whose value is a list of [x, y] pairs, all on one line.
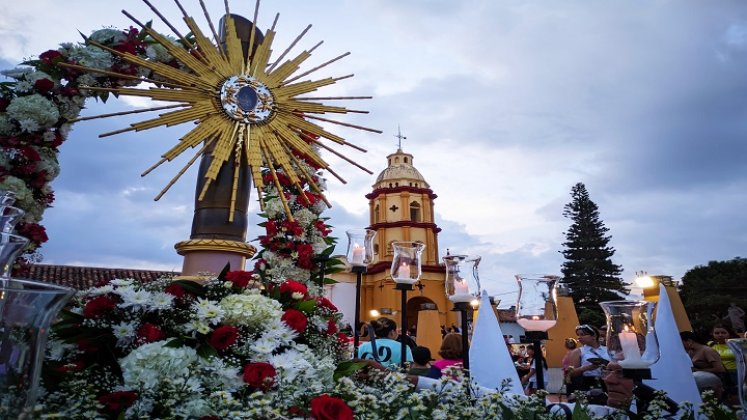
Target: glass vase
{"points": [[27, 309], [537, 308], [360, 251], [631, 337], [739, 347], [10, 246], [462, 281], [406, 264]]}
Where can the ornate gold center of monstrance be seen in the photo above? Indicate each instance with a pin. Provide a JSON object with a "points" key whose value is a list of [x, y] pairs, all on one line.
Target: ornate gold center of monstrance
{"points": [[248, 110]]}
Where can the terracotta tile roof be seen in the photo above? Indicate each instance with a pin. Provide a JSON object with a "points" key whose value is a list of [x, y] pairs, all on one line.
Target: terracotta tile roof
{"points": [[85, 277]]}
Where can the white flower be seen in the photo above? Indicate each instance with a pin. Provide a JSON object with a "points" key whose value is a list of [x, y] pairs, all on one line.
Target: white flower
{"points": [[201, 327], [149, 364], [92, 57], [264, 346], [206, 310], [33, 112], [250, 310], [121, 282], [138, 298], [161, 300], [124, 332]]}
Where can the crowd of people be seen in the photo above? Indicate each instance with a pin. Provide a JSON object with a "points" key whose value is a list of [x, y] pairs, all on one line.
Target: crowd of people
{"points": [[587, 366]]}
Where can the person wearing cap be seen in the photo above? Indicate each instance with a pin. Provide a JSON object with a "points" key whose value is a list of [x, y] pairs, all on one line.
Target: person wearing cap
{"points": [[587, 360], [421, 363]]}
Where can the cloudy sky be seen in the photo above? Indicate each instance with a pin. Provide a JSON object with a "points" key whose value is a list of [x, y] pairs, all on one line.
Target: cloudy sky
{"points": [[505, 106]]}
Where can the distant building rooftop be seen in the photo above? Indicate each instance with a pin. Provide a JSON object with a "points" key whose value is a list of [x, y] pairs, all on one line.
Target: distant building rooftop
{"points": [[84, 277]]}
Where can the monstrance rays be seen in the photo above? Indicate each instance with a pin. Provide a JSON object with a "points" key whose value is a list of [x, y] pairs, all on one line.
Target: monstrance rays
{"points": [[248, 110]]}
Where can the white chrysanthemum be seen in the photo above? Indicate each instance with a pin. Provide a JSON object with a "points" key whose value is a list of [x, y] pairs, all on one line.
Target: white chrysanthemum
{"points": [[24, 86], [122, 282], [56, 349], [102, 290], [149, 364], [33, 109], [124, 332], [217, 375], [264, 346], [133, 297], [290, 363], [250, 310], [197, 325], [48, 136], [69, 110], [206, 310], [161, 300]]}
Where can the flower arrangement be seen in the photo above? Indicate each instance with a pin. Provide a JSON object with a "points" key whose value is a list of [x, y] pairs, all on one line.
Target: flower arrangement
{"points": [[227, 347], [38, 107]]}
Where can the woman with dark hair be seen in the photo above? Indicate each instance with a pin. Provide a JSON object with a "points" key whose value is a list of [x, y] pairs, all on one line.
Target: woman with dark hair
{"points": [[586, 362], [529, 380], [704, 358], [451, 352], [383, 348]]}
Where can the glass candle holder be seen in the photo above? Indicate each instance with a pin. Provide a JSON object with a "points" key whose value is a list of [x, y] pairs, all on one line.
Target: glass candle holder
{"points": [[537, 308], [631, 337], [462, 281], [406, 264], [360, 247]]}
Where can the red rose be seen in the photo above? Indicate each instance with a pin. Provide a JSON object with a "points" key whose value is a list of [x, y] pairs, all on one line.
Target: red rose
{"points": [[98, 306], [325, 407], [149, 333], [259, 375], [175, 290], [331, 326], [239, 279], [44, 85], [49, 56], [223, 337], [323, 302], [291, 286], [295, 319], [118, 401]]}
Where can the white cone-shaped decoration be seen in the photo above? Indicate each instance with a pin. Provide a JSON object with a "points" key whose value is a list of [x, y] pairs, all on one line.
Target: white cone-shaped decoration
{"points": [[673, 371], [489, 360]]}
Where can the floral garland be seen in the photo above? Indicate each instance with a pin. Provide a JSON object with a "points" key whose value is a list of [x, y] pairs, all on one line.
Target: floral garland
{"points": [[37, 110]]}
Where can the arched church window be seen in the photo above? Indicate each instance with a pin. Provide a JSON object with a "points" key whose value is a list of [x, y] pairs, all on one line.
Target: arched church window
{"points": [[396, 160], [415, 211], [405, 160], [376, 249], [376, 214]]}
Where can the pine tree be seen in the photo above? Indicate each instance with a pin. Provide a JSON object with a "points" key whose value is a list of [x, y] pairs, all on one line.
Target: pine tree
{"points": [[588, 270]]}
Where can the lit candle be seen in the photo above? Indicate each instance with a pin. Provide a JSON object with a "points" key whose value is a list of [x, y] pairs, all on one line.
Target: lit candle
{"points": [[357, 255], [631, 351], [404, 270], [461, 288]]}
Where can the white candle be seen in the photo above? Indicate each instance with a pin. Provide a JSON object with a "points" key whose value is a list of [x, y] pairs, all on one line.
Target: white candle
{"points": [[461, 288], [631, 351], [357, 255], [404, 270]]}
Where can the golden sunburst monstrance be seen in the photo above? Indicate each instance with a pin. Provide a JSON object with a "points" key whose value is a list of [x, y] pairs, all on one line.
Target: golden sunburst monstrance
{"points": [[243, 107]]}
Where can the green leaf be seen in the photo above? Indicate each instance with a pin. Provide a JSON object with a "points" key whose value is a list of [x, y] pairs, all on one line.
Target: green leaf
{"points": [[347, 368], [307, 306], [328, 280], [205, 351], [175, 342], [579, 413], [191, 287]]}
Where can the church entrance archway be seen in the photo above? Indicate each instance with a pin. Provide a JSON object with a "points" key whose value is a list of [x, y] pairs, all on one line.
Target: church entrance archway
{"points": [[414, 306]]}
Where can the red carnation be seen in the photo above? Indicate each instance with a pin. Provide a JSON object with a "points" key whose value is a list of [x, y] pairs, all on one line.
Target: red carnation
{"points": [[292, 228], [118, 401], [98, 306], [259, 375], [223, 337], [291, 286], [305, 256], [325, 407], [240, 279], [323, 302], [150, 333], [295, 319], [44, 85]]}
